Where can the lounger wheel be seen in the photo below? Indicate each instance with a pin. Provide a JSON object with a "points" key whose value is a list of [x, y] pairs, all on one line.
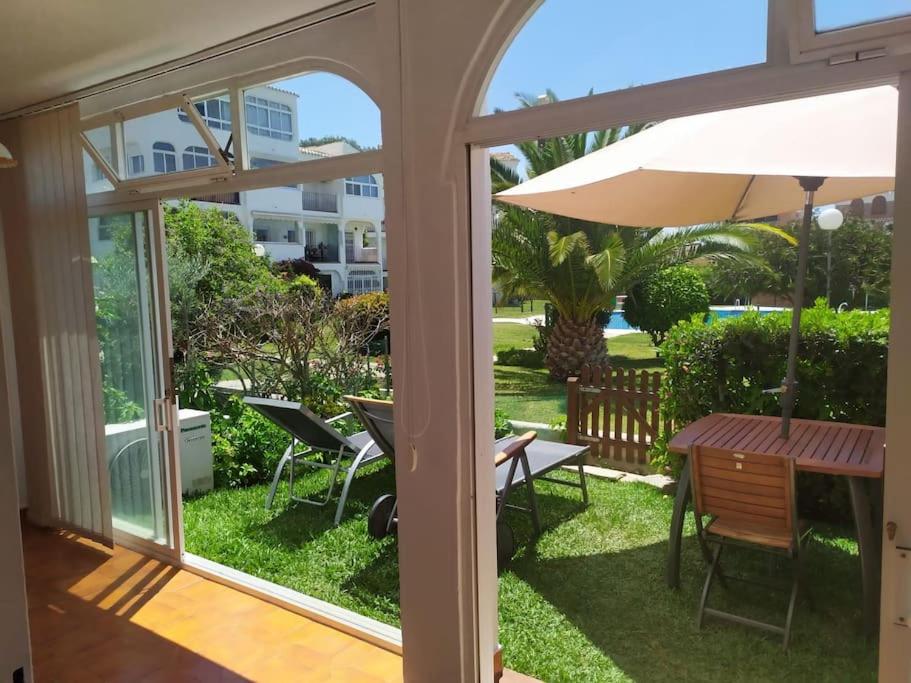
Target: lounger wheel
{"points": [[380, 522], [506, 545]]}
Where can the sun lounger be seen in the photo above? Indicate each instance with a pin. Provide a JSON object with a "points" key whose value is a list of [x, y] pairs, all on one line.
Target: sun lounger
{"points": [[514, 466], [317, 437]]}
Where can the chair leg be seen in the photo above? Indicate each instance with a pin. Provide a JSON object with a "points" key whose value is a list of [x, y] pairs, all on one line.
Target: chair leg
{"points": [[795, 583], [277, 476], [708, 586], [703, 546], [349, 477], [582, 483], [530, 493]]}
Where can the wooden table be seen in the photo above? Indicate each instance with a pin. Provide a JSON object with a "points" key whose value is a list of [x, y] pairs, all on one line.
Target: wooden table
{"points": [[856, 452]]}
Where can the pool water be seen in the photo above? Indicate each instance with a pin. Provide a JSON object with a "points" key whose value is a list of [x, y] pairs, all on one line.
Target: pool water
{"points": [[618, 322]]}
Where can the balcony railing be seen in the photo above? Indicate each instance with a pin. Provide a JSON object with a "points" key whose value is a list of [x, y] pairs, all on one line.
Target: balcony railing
{"points": [[322, 253], [361, 282], [325, 202], [220, 198]]}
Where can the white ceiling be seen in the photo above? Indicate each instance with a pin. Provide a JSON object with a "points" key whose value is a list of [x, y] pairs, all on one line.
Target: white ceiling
{"points": [[50, 48]]}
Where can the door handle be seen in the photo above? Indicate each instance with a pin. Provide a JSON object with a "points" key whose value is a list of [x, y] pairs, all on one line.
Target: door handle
{"points": [[161, 409]]}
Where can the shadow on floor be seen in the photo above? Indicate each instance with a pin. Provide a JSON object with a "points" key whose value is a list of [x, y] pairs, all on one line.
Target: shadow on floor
{"points": [[82, 598]]}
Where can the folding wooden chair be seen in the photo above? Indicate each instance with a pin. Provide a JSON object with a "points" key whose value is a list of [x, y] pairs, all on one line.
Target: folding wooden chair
{"points": [[753, 503]]}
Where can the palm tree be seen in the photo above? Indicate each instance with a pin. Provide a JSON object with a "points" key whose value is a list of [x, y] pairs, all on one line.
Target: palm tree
{"points": [[580, 266]]}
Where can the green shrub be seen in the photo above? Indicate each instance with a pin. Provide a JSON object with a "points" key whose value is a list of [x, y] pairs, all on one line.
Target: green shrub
{"points": [[246, 447], [501, 426], [664, 299], [723, 366], [523, 358]]}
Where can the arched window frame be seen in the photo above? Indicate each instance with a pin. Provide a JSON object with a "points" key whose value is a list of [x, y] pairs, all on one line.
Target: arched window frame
{"points": [[164, 157], [362, 186], [197, 157]]}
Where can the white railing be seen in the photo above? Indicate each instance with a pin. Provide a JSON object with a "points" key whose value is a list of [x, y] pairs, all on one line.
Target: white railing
{"points": [[361, 282]]}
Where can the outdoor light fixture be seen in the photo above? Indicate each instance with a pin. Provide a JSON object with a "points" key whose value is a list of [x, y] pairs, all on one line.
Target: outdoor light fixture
{"points": [[830, 219], [6, 159], [259, 250]]}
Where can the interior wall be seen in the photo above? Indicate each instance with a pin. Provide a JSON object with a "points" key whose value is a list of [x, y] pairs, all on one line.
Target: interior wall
{"points": [[14, 640]]}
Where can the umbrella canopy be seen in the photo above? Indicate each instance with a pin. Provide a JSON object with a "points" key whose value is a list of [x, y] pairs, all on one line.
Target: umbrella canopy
{"points": [[734, 165], [737, 164]]}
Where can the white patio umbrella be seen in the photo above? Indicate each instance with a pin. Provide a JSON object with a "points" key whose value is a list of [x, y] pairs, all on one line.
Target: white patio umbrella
{"points": [[734, 165]]}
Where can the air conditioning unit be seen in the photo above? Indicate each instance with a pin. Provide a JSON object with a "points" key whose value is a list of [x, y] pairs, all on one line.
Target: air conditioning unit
{"points": [[195, 451]]}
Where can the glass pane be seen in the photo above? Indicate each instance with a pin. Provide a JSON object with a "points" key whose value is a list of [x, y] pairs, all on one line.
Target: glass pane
{"points": [[168, 143], [124, 308], [571, 48], [101, 141], [284, 125], [95, 180], [836, 14]]}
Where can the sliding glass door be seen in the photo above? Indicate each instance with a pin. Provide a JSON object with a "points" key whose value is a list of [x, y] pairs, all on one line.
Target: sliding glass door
{"points": [[131, 315]]}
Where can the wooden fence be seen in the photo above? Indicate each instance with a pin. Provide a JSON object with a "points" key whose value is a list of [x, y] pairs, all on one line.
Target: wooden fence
{"points": [[617, 412]]}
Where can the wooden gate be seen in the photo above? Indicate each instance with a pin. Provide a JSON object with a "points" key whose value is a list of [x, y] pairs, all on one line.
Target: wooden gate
{"points": [[616, 412]]}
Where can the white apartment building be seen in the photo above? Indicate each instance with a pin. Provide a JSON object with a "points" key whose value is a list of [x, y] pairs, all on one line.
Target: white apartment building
{"points": [[338, 225]]}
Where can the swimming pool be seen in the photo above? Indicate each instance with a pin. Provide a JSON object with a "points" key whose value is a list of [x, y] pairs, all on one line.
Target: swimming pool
{"points": [[618, 322]]}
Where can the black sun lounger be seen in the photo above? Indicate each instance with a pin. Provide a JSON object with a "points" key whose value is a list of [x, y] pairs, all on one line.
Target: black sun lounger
{"points": [[317, 436]]}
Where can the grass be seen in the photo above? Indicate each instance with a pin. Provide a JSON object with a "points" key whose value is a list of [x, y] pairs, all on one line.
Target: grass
{"points": [[529, 308], [529, 394], [586, 602]]}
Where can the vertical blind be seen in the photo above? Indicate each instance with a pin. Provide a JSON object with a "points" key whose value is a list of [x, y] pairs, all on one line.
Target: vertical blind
{"points": [[56, 223]]}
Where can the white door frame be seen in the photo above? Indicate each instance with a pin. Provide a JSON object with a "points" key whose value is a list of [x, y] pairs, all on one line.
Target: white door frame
{"points": [[895, 603], [165, 399]]}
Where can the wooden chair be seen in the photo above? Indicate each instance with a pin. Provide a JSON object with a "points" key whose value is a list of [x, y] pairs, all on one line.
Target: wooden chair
{"points": [[752, 501]]}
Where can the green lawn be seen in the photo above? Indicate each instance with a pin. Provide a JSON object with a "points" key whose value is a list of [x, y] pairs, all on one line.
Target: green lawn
{"points": [[529, 308], [587, 602], [529, 394]]}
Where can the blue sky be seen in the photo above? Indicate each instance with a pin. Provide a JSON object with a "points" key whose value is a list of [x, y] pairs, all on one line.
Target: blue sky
{"points": [[572, 46], [331, 105]]}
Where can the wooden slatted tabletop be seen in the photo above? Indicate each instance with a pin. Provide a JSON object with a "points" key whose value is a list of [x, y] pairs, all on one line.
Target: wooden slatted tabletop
{"points": [[818, 446]]}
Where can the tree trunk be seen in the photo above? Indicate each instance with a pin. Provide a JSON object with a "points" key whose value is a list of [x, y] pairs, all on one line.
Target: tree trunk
{"points": [[572, 344]]}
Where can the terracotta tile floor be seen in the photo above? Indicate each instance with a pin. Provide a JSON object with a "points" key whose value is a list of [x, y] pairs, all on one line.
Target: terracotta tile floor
{"points": [[102, 615]]}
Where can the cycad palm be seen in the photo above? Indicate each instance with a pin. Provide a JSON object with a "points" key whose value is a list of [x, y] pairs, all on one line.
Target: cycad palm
{"points": [[580, 266]]}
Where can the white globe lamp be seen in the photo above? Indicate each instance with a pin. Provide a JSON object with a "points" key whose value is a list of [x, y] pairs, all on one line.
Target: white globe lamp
{"points": [[830, 219], [259, 250]]}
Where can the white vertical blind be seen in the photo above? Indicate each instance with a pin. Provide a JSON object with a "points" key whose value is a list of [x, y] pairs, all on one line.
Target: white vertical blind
{"points": [[58, 246]]}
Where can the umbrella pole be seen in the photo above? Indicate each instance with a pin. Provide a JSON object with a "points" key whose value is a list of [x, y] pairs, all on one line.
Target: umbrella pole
{"points": [[789, 388]]}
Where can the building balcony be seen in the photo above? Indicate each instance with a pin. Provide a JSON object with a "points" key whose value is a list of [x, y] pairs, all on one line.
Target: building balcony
{"points": [[322, 202], [322, 253], [220, 198], [281, 251], [362, 255]]}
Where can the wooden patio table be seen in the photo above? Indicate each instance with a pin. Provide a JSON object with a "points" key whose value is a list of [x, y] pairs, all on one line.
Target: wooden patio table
{"points": [[856, 452]]}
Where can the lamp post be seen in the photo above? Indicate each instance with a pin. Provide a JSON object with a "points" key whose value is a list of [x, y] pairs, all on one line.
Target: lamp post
{"points": [[829, 220]]}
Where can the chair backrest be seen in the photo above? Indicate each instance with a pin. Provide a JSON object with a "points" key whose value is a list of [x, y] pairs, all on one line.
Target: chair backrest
{"points": [[300, 422], [745, 488], [514, 448], [377, 418]]}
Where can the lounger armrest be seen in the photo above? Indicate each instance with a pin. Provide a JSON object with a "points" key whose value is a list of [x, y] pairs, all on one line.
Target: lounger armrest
{"points": [[338, 417]]}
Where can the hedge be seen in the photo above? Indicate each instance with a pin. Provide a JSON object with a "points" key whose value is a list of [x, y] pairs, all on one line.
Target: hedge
{"points": [[723, 366]]}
